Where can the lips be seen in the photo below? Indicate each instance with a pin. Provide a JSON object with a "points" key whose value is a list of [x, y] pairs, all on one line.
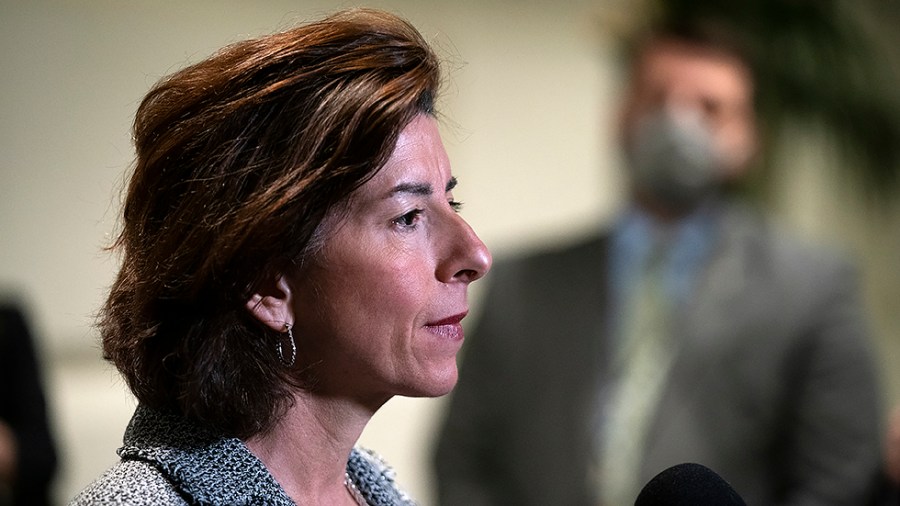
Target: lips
{"points": [[450, 320], [449, 328]]}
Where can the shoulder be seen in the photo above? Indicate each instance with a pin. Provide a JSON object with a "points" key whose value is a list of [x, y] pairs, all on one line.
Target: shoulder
{"points": [[549, 267], [578, 250], [787, 253], [130, 482]]}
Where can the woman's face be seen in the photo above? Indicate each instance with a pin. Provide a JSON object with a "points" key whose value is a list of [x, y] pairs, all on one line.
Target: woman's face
{"points": [[377, 313]]}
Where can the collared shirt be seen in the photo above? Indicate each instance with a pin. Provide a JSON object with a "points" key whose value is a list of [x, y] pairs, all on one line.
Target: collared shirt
{"points": [[688, 244]]}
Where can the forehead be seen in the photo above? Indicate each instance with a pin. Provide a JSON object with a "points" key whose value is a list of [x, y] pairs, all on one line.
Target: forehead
{"points": [[418, 156], [671, 67], [417, 161]]}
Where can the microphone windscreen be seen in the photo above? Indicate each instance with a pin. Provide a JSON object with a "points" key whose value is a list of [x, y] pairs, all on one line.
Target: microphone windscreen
{"points": [[688, 485]]}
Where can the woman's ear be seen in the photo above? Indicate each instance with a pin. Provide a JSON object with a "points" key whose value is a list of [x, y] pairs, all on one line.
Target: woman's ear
{"points": [[271, 303]]}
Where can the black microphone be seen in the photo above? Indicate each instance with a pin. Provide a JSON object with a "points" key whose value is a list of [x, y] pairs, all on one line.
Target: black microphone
{"points": [[688, 485]]}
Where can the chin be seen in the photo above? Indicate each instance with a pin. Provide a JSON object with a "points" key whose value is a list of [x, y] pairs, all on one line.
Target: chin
{"points": [[437, 384]]}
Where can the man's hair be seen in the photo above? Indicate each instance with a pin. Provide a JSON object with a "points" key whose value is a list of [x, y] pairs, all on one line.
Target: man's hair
{"points": [[706, 35], [239, 159]]}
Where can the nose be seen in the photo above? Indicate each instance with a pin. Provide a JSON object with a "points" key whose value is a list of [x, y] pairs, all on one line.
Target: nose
{"points": [[691, 107], [465, 257]]}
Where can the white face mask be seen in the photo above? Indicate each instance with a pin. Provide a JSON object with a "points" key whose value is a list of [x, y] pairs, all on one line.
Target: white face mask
{"points": [[673, 157]]}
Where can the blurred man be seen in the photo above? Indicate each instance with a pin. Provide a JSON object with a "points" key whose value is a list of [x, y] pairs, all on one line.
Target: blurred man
{"points": [[690, 332], [28, 456]]}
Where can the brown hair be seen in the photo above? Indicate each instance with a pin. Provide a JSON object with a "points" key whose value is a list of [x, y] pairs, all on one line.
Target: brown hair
{"points": [[239, 159], [710, 36]]}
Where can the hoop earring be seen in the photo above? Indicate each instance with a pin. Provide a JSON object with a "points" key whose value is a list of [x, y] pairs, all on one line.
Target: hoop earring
{"points": [[290, 335]]}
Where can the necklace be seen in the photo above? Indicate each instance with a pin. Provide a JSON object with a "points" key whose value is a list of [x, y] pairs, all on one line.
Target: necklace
{"points": [[354, 492]]}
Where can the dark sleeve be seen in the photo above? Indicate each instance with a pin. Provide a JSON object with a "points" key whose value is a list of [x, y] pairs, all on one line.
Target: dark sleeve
{"points": [[836, 445], [469, 455], [517, 431], [23, 408]]}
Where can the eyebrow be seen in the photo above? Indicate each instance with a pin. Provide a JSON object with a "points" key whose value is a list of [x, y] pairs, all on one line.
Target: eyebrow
{"points": [[423, 189]]}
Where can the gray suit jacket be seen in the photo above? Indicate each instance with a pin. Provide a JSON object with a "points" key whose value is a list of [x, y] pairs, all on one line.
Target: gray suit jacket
{"points": [[773, 386]]}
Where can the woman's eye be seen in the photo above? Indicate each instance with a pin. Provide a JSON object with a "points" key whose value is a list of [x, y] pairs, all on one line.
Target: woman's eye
{"points": [[409, 219]]}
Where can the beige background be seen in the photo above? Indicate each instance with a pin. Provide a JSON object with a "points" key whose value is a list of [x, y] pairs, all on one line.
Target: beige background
{"points": [[528, 105]]}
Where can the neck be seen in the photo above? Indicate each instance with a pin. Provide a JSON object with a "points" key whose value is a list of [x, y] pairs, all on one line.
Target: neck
{"points": [[307, 450], [663, 212], [668, 214]]}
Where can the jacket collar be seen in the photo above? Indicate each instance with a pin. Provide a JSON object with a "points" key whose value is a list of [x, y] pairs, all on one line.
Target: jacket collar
{"points": [[207, 468]]}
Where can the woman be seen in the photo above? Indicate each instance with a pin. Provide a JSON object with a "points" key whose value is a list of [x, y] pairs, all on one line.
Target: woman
{"points": [[289, 264]]}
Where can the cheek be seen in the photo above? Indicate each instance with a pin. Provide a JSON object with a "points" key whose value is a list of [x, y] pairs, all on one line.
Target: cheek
{"points": [[736, 147], [372, 282], [387, 286], [401, 287]]}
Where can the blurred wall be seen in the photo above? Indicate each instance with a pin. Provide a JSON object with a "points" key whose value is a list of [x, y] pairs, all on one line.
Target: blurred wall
{"points": [[527, 112]]}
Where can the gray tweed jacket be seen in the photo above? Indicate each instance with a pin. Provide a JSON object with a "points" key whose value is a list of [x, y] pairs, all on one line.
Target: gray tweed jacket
{"points": [[166, 460]]}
